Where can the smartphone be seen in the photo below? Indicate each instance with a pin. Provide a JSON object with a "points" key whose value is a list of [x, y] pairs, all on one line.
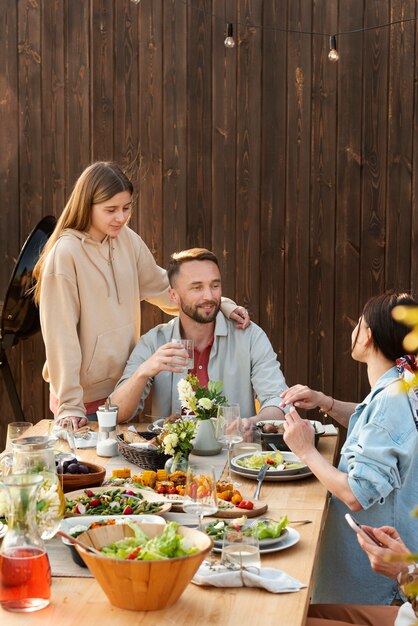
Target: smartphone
{"points": [[359, 529]]}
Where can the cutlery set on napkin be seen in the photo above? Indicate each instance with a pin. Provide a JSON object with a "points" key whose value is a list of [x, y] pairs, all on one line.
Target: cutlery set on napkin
{"points": [[273, 580]]}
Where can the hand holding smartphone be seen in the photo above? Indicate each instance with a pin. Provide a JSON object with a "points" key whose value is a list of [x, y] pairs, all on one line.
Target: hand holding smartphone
{"points": [[360, 530]]}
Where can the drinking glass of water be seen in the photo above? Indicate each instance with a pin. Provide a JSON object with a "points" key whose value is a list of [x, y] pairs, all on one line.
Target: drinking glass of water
{"points": [[228, 429], [188, 345], [239, 549], [200, 492]]}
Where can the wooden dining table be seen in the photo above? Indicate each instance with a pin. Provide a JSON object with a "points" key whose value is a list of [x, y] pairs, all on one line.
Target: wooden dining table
{"points": [[81, 602]]}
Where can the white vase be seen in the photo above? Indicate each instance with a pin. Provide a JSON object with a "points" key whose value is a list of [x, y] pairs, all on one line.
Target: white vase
{"points": [[206, 443]]}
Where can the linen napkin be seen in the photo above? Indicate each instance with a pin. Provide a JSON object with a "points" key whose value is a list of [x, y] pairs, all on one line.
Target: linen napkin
{"points": [[85, 439], [269, 578]]}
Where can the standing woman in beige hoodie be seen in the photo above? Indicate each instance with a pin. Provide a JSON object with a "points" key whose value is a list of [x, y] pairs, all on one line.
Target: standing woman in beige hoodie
{"points": [[91, 277]]}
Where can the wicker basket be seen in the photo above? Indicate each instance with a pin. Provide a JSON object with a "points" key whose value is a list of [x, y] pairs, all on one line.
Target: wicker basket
{"points": [[147, 459]]}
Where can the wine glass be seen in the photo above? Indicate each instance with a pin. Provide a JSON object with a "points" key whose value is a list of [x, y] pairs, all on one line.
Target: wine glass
{"points": [[14, 431], [229, 429], [200, 493]]}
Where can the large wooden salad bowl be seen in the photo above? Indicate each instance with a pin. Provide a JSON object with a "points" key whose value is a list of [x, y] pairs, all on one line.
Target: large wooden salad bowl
{"points": [[142, 585]]}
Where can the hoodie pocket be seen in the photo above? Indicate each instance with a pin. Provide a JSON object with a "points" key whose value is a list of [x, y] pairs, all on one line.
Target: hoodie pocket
{"points": [[110, 354]]}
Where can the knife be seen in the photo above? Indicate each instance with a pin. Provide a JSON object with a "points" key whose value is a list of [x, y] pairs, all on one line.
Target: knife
{"points": [[260, 478]]}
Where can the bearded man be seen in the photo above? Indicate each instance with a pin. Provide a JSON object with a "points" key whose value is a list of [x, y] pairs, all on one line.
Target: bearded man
{"points": [[243, 360]]}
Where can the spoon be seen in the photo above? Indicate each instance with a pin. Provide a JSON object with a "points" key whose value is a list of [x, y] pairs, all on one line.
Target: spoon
{"points": [[79, 543], [3, 529]]}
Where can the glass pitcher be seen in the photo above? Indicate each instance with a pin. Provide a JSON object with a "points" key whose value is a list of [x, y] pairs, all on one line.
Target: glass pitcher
{"points": [[25, 576], [35, 455]]}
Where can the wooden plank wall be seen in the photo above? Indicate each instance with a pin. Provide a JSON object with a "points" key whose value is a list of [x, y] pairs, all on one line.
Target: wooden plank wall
{"points": [[300, 174]]}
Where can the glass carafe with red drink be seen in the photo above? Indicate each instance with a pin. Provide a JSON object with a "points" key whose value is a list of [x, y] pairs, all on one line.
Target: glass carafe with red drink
{"points": [[25, 575]]}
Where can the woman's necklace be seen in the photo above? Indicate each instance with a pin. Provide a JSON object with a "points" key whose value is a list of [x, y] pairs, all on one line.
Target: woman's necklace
{"points": [[110, 257]]}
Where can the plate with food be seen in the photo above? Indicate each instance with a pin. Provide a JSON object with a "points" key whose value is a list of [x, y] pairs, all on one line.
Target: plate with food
{"points": [[271, 432], [280, 464], [267, 531], [290, 539], [231, 502], [113, 501], [157, 425]]}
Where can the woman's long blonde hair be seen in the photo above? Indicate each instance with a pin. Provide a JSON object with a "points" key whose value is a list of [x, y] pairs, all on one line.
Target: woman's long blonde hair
{"points": [[99, 182]]}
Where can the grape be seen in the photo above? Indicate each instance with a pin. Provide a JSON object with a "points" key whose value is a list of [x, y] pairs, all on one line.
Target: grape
{"points": [[73, 468]]}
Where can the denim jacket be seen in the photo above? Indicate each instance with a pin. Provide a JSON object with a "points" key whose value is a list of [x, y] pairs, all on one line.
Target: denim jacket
{"points": [[380, 457]]}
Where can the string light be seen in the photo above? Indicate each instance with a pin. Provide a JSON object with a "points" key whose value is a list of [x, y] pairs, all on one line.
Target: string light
{"points": [[333, 52], [229, 40]]}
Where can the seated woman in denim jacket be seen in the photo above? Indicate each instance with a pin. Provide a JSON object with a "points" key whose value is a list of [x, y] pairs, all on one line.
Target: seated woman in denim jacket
{"points": [[377, 475]]}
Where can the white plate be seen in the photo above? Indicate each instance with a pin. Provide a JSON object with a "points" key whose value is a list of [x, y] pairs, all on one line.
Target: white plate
{"points": [[264, 543], [305, 473], [156, 426], [86, 520], [290, 540], [287, 456]]}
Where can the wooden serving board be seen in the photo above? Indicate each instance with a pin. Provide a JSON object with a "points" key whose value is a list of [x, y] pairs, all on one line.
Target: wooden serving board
{"points": [[230, 513], [259, 509]]}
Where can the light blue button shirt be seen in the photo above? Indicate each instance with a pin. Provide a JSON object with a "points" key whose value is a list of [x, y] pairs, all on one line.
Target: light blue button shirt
{"points": [[243, 360], [380, 457]]}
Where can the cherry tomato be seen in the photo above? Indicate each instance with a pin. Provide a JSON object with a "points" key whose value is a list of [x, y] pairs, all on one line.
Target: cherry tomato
{"points": [[246, 504], [161, 489], [134, 554], [172, 490]]}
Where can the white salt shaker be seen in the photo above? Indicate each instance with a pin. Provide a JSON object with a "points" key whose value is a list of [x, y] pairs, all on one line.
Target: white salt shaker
{"points": [[107, 417]]}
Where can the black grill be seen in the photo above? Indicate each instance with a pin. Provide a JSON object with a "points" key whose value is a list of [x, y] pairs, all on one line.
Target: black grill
{"points": [[19, 315]]}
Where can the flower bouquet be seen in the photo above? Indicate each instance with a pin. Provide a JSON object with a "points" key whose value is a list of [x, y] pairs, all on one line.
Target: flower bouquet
{"points": [[203, 404], [176, 440], [199, 401]]}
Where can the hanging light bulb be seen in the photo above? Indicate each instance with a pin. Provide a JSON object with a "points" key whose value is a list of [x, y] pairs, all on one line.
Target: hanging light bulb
{"points": [[333, 52], [229, 41]]}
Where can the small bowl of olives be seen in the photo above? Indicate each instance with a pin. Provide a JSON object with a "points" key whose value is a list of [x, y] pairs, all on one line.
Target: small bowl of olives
{"points": [[271, 432], [75, 474]]}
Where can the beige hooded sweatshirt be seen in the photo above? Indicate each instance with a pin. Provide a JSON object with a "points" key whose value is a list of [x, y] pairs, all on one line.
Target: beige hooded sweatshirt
{"points": [[91, 313]]}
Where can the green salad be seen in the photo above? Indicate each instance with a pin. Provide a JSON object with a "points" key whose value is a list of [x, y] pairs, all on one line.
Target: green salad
{"points": [[263, 529], [169, 545], [275, 459]]}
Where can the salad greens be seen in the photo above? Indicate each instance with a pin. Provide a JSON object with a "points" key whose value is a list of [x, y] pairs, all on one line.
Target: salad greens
{"points": [[170, 544], [268, 529], [274, 459], [110, 502], [263, 529]]}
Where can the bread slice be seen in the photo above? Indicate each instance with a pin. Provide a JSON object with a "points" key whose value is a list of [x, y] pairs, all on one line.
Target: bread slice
{"points": [[130, 437]]}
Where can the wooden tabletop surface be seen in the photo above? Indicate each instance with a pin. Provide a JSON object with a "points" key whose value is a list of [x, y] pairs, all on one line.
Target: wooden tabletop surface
{"points": [[80, 601]]}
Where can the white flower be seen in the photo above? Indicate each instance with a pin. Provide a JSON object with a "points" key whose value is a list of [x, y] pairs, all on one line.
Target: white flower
{"points": [[205, 403], [170, 442], [186, 393]]}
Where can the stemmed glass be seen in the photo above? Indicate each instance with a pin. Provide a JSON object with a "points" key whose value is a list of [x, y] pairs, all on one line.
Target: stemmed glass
{"points": [[200, 493], [14, 431], [229, 429]]}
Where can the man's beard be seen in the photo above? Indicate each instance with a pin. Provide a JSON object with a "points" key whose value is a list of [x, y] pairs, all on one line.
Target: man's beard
{"points": [[193, 312]]}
